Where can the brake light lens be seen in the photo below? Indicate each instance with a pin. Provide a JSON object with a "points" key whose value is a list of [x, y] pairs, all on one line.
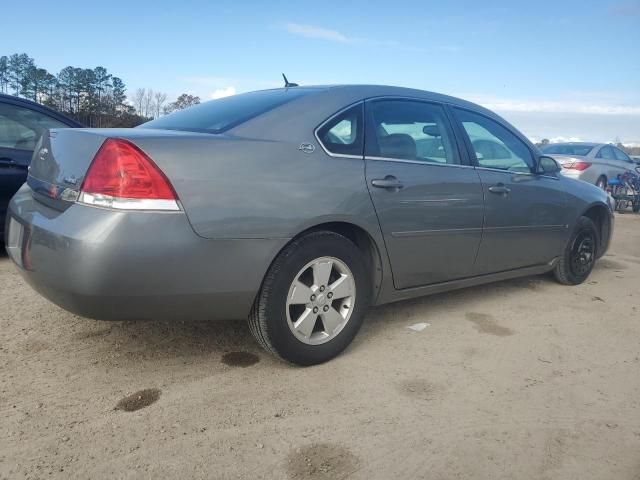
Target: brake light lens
{"points": [[580, 166], [122, 176]]}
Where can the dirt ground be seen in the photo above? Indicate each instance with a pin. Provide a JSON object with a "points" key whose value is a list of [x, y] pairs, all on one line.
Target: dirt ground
{"points": [[523, 379]]}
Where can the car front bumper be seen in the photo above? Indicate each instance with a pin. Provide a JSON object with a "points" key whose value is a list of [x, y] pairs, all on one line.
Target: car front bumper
{"points": [[114, 265]]}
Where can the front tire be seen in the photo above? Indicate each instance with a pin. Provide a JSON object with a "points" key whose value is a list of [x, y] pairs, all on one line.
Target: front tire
{"points": [[313, 299], [580, 253]]}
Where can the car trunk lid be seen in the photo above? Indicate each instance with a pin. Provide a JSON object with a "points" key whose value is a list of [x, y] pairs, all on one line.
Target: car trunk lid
{"points": [[62, 159]]}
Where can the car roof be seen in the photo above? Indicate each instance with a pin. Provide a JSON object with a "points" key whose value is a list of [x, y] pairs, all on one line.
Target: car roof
{"points": [[328, 99], [585, 144], [30, 104], [372, 90]]}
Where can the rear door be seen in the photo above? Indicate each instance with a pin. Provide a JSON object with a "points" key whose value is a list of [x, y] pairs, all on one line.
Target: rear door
{"points": [[624, 161], [607, 158], [526, 218], [427, 197]]}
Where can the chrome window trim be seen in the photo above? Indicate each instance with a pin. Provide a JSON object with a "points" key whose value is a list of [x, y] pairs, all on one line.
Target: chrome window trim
{"points": [[362, 102], [455, 165], [416, 162], [340, 112], [530, 174]]}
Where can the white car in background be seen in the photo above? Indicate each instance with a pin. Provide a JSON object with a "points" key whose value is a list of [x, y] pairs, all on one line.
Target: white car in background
{"points": [[596, 163]]}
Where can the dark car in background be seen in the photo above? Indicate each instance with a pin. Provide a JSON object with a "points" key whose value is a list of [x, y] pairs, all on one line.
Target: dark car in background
{"points": [[22, 123]]}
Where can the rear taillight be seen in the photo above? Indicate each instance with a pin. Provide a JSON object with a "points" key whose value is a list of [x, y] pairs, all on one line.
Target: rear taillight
{"points": [[580, 166], [122, 176]]}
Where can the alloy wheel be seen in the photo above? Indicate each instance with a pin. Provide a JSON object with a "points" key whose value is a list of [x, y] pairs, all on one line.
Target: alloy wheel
{"points": [[320, 301]]}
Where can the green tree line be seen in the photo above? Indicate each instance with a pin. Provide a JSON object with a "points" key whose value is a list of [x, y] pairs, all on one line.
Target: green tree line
{"points": [[94, 97]]}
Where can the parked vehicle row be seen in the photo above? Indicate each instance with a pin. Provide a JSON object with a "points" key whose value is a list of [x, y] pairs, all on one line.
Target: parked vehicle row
{"points": [[297, 208], [22, 123]]}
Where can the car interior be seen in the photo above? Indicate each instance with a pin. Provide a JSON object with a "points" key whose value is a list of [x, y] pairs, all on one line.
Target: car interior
{"points": [[411, 132]]}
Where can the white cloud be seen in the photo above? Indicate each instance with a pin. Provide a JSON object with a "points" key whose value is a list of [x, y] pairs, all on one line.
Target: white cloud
{"points": [[223, 92], [555, 106], [311, 31], [563, 107], [565, 139]]}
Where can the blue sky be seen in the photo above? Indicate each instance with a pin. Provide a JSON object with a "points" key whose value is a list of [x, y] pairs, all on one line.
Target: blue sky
{"points": [[556, 69]]}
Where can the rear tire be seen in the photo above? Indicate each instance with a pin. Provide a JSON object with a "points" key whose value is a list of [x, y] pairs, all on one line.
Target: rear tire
{"points": [[305, 315], [580, 253], [602, 183]]}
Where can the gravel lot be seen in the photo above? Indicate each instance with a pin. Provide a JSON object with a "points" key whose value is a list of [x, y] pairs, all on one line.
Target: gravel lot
{"points": [[520, 379]]}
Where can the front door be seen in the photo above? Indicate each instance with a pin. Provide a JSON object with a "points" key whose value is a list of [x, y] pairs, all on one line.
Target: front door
{"points": [[525, 213], [429, 204]]}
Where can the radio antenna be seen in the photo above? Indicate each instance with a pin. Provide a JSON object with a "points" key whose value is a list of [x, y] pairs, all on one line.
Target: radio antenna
{"points": [[288, 84]]}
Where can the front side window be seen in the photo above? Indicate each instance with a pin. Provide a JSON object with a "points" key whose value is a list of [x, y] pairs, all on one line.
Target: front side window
{"points": [[411, 130], [343, 134], [494, 145], [21, 128], [606, 153]]}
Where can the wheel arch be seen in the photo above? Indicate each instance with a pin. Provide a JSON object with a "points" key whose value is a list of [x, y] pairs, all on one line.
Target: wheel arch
{"points": [[361, 237], [601, 216], [363, 240]]}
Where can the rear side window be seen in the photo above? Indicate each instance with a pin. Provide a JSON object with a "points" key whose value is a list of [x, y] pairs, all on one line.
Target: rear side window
{"points": [[343, 134], [411, 130], [220, 115], [494, 145], [620, 155], [21, 128]]}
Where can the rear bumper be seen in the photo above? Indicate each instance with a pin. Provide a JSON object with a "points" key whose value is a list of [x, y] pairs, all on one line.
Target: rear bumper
{"points": [[111, 265]]}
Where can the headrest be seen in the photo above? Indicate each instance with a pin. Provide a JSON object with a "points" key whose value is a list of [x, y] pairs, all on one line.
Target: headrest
{"points": [[398, 145]]}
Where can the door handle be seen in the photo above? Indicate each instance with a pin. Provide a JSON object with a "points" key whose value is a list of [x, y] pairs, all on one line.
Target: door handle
{"points": [[7, 161], [500, 189], [389, 182]]}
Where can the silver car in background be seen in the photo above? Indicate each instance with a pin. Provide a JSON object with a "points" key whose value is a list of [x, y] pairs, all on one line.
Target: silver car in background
{"points": [[595, 163], [297, 208]]}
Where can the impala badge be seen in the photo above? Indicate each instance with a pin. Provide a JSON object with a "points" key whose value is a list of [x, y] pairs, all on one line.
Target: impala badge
{"points": [[307, 147], [43, 153]]}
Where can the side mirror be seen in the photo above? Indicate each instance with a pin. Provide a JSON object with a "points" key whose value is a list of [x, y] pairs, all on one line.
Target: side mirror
{"points": [[548, 166]]}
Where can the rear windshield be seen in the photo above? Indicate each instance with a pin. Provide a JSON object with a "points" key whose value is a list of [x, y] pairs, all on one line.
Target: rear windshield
{"points": [[220, 115], [561, 149]]}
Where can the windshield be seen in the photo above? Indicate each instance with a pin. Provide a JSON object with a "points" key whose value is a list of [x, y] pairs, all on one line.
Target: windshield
{"points": [[220, 115], [564, 149]]}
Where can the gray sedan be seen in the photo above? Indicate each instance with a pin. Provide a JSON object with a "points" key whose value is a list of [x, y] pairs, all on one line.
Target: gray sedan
{"points": [[297, 208]]}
